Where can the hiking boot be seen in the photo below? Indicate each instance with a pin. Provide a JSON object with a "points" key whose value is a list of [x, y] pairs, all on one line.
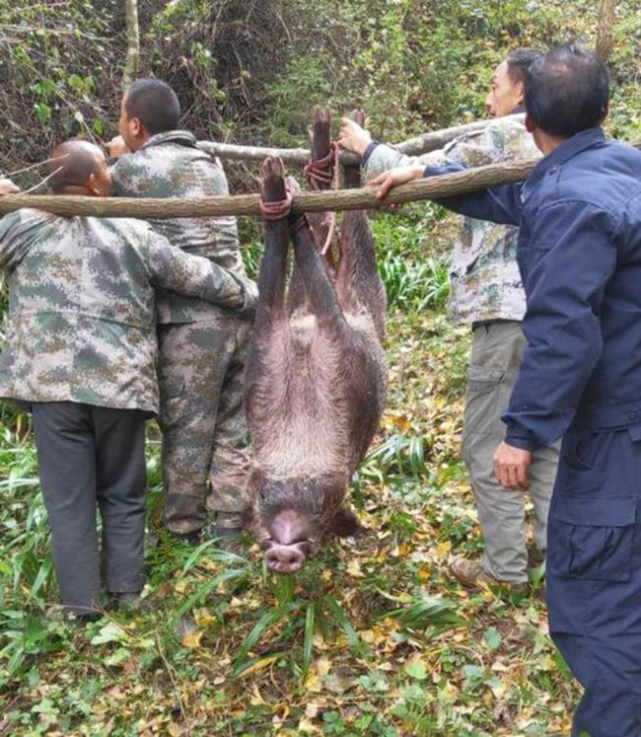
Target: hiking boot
{"points": [[227, 531], [470, 573]]}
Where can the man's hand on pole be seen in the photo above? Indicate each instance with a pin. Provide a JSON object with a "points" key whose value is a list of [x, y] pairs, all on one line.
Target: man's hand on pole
{"points": [[392, 178], [117, 147], [511, 467], [8, 187]]}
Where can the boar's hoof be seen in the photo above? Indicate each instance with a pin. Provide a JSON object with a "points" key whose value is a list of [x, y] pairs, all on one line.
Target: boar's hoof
{"points": [[273, 185], [273, 167]]}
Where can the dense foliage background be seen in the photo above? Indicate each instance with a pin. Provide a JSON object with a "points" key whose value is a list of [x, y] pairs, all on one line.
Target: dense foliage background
{"points": [[251, 71], [374, 638]]}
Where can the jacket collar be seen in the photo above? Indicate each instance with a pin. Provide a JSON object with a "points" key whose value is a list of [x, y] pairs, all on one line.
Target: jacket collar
{"points": [[574, 145], [182, 138]]}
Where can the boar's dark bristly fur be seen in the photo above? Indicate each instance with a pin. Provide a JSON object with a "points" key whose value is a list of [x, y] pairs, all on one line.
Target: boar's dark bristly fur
{"points": [[315, 379]]}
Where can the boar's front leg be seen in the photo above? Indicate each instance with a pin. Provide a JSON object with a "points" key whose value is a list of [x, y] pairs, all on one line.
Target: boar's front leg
{"points": [[271, 329], [273, 268]]}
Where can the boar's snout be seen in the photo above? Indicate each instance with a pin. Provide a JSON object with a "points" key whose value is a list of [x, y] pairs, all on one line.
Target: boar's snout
{"points": [[285, 558]]}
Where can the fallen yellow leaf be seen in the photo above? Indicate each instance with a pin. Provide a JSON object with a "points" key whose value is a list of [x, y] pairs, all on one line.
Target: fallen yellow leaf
{"points": [[259, 665], [313, 683], [257, 699], [192, 640]]}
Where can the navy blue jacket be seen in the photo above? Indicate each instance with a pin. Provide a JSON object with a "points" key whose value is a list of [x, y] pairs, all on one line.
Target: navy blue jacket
{"points": [[579, 253]]}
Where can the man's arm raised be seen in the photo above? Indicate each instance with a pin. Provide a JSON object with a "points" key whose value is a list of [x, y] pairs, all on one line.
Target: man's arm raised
{"points": [[173, 269]]}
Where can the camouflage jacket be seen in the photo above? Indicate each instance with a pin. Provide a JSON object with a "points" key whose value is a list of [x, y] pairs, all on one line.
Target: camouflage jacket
{"points": [[81, 319], [485, 283], [170, 165]]}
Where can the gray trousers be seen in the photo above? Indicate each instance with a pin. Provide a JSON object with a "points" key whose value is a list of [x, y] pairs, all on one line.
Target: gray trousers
{"points": [[87, 457], [497, 349]]}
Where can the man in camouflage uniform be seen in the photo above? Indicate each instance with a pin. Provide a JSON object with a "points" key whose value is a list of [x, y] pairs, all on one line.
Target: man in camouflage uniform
{"points": [[202, 346], [486, 293], [81, 354]]}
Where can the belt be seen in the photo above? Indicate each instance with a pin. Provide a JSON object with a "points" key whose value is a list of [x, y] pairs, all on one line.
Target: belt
{"points": [[489, 323]]}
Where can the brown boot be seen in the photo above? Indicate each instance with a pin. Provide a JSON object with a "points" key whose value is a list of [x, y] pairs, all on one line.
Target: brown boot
{"points": [[470, 574]]}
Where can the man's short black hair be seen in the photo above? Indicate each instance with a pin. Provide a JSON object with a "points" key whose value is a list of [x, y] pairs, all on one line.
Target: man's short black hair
{"points": [[519, 62], [567, 91], [154, 103]]}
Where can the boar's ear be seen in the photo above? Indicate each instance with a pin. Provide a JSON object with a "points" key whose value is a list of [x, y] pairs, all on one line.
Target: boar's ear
{"points": [[345, 523]]}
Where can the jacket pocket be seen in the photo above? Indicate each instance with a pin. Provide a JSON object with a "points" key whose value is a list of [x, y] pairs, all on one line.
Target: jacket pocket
{"points": [[592, 538], [581, 450]]}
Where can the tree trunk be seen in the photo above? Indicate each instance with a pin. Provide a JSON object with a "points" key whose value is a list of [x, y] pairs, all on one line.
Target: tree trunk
{"points": [[605, 35], [133, 43]]}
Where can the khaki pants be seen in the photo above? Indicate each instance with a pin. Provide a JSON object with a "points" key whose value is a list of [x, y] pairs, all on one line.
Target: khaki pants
{"points": [[497, 349], [202, 419]]}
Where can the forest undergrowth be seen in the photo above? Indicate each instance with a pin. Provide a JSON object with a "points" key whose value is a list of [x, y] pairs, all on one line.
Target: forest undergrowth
{"points": [[373, 638]]}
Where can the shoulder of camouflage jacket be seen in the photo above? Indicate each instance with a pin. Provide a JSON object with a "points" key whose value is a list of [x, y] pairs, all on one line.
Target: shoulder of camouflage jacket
{"points": [[169, 165]]}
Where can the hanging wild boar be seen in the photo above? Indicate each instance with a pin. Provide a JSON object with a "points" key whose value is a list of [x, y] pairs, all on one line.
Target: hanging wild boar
{"points": [[315, 379]]}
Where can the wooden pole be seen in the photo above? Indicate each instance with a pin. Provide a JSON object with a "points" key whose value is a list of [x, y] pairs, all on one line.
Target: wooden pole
{"points": [[412, 147], [431, 188], [336, 200]]}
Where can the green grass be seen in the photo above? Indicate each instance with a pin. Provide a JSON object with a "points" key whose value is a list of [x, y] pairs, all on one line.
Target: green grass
{"points": [[372, 638]]}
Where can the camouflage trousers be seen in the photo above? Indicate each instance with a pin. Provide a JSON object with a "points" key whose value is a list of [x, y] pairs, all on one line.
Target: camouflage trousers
{"points": [[202, 419]]}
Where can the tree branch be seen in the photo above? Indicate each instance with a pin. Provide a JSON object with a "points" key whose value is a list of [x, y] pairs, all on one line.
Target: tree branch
{"points": [[133, 43], [412, 147], [604, 36]]}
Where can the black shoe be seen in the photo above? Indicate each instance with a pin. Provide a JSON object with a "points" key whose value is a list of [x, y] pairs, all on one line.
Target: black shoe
{"points": [[128, 601], [80, 619], [189, 538]]}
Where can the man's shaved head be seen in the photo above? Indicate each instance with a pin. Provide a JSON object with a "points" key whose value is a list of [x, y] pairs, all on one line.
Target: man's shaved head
{"points": [[73, 162]]}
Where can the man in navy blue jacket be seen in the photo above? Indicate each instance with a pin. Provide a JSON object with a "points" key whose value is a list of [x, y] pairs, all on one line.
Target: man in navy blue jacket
{"points": [[579, 214]]}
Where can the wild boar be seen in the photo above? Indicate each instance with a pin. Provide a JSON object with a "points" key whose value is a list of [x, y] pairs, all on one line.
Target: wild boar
{"points": [[315, 377]]}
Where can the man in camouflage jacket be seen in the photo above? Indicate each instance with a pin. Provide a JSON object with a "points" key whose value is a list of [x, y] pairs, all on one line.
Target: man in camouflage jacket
{"points": [[202, 346], [81, 354], [486, 292]]}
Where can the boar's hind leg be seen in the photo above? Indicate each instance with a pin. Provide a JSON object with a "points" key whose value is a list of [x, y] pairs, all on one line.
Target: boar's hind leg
{"points": [[358, 283], [318, 286], [273, 268], [319, 223]]}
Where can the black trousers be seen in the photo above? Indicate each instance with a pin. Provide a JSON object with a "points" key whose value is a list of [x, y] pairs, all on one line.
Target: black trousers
{"points": [[93, 456]]}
